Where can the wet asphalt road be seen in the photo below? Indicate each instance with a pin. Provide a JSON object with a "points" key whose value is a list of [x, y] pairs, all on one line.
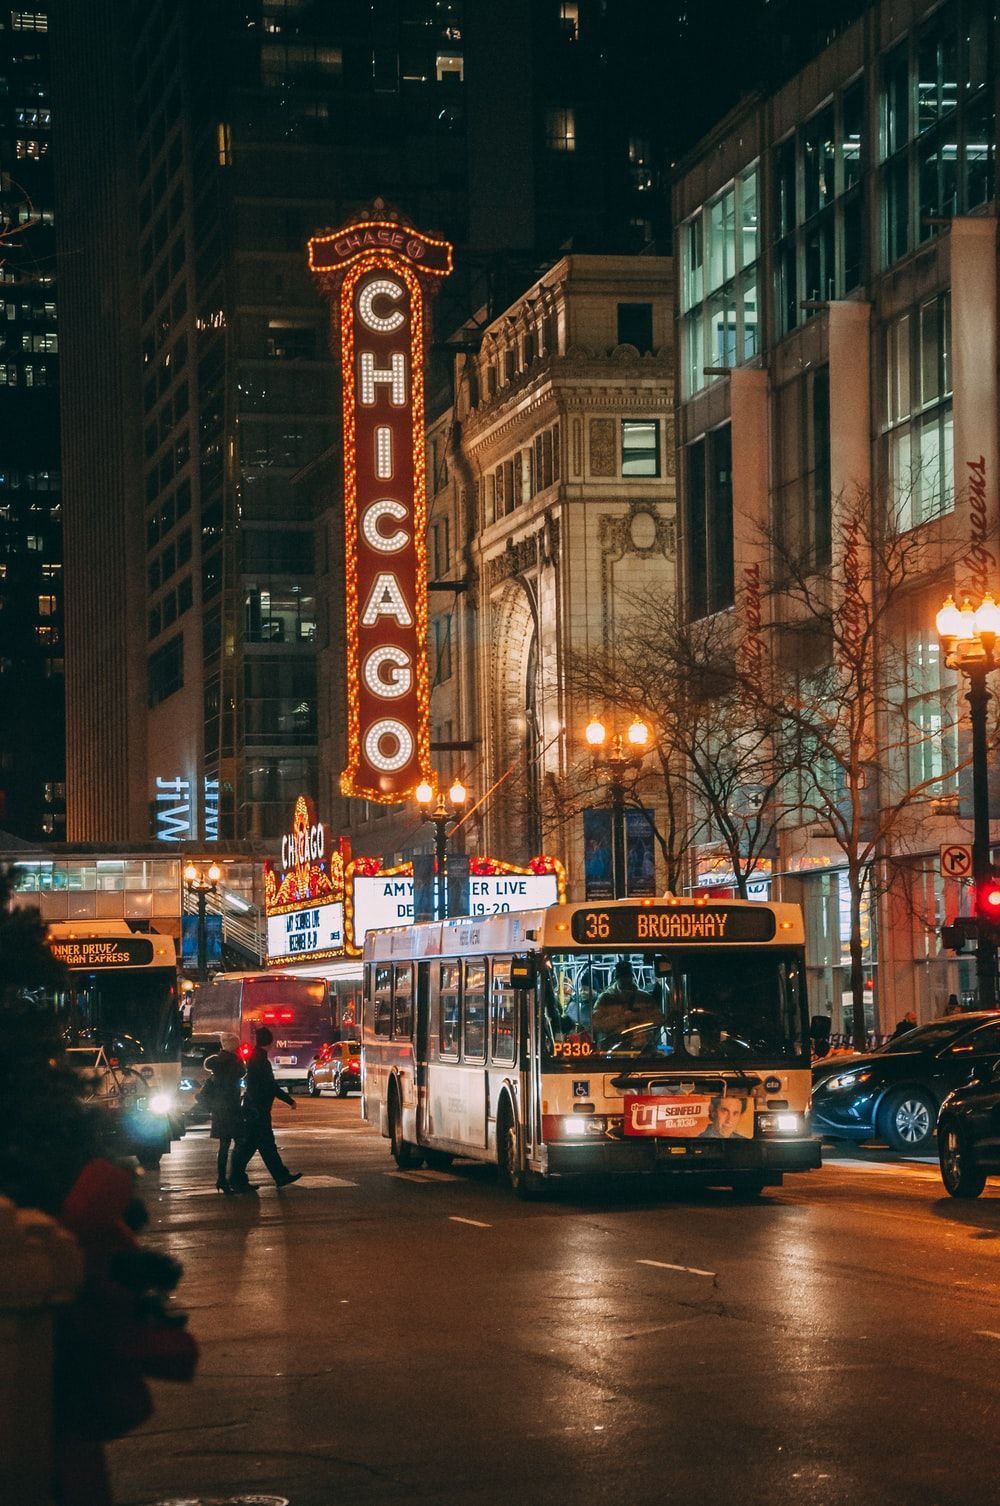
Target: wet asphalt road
{"points": [[375, 1337]]}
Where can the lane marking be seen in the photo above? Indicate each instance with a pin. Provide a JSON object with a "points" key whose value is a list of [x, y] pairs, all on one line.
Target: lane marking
{"points": [[475, 1222], [921, 1171], [665, 1265], [986, 1333]]}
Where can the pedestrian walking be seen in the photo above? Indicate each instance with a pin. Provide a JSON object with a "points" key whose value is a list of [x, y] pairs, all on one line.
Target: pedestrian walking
{"points": [[222, 1093], [905, 1025], [256, 1133]]}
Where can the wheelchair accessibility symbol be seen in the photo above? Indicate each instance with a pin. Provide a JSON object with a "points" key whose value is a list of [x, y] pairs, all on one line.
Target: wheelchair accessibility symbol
{"points": [[581, 1087]]}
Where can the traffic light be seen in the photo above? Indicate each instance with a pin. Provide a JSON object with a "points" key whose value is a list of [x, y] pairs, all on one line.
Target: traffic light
{"points": [[988, 900]]}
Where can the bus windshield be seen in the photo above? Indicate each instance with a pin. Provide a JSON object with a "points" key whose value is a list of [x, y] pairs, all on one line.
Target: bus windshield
{"points": [[301, 993], [690, 1006], [132, 1014]]}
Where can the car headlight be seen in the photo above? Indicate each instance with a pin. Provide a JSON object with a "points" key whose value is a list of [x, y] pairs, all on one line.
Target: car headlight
{"points": [[161, 1103], [845, 1080], [781, 1124]]}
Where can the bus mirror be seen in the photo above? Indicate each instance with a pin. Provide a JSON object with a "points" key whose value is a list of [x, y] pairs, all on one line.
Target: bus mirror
{"points": [[522, 972]]}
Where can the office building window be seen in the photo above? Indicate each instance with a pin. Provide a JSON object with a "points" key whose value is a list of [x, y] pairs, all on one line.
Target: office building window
{"points": [[560, 130], [569, 19], [937, 129], [708, 485], [917, 422], [166, 670], [719, 251], [802, 502], [817, 209], [640, 447], [441, 661]]}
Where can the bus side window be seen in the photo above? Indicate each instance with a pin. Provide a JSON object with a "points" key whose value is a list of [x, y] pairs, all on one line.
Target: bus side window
{"points": [[504, 1005], [474, 1001], [448, 1019], [402, 1028], [383, 1000]]}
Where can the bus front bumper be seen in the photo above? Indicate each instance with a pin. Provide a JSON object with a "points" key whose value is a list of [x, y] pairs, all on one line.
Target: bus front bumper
{"points": [[764, 1157]]}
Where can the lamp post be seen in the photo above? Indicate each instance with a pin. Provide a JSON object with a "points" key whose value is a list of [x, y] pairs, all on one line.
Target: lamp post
{"points": [[968, 640], [444, 816], [621, 757], [201, 883]]}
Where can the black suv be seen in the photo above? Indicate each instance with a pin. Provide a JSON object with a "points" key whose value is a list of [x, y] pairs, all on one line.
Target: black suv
{"points": [[969, 1134], [896, 1092]]}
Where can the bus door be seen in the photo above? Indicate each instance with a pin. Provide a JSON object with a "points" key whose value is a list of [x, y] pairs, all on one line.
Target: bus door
{"points": [[421, 1040], [507, 1033], [476, 1085]]}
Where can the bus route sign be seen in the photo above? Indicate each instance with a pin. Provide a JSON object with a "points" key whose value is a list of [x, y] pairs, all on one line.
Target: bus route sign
{"points": [[95, 952], [620, 925]]}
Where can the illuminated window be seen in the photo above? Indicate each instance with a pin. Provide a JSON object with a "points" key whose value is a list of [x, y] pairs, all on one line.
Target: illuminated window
{"points": [[31, 149], [47, 634], [51, 572], [450, 67], [569, 19], [224, 144], [34, 542], [46, 606], [560, 130], [28, 20], [640, 447]]}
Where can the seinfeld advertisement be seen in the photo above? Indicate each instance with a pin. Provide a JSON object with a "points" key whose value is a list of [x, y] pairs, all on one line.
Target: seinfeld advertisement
{"points": [[724, 1115]]}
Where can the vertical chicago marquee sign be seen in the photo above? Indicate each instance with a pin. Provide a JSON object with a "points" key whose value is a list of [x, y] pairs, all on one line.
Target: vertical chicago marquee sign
{"points": [[379, 275]]}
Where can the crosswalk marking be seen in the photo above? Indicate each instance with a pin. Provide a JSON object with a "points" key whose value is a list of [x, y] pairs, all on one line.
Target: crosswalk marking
{"points": [[665, 1265], [423, 1176], [475, 1222]]}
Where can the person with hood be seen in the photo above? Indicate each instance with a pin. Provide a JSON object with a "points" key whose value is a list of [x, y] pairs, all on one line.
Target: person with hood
{"points": [[223, 1094], [256, 1133]]}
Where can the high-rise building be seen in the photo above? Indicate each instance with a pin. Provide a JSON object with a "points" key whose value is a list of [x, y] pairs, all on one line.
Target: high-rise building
{"points": [[32, 769]]}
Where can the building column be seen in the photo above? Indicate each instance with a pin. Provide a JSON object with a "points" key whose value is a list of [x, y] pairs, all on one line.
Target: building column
{"points": [[974, 383], [849, 337]]}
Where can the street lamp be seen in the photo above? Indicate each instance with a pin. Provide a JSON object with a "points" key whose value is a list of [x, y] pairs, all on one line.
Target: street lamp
{"points": [[444, 816], [622, 756], [201, 883], [968, 640]]}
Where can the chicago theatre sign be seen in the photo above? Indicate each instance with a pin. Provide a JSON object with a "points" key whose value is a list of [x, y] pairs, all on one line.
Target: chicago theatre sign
{"points": [[379, 275]]}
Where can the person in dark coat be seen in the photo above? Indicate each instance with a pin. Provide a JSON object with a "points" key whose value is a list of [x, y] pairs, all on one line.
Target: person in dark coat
{"points": [[224, 1101], [256, 1133]]}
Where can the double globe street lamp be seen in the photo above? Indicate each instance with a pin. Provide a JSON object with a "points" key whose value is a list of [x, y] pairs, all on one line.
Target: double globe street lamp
{"points": [[619, 759], [201, 882], [445, 815], [968, 640]]}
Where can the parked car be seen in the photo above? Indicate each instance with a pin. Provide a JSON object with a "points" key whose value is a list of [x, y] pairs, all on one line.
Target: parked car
{"points": [[896, 1091], [338, 1068], [969, 1134]]}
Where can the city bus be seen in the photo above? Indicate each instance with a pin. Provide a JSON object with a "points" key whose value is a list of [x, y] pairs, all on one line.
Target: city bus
{"points": [[658, 1036], [296, 1008], [122, 996]]}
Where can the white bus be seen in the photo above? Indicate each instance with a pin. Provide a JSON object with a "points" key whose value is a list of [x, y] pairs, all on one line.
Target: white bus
{"points": [[122, 995], [632, 1036]]}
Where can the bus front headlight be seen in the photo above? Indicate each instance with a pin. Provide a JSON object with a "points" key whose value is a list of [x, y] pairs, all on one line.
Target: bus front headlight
{"points": [[781, 1124]]}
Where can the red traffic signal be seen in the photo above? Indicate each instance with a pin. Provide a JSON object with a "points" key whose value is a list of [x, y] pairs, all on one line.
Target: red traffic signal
{"points": [[988, 899]]}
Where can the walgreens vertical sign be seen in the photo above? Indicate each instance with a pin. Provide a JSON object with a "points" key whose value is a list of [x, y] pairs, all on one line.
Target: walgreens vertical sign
{"points": [[379, 275]]}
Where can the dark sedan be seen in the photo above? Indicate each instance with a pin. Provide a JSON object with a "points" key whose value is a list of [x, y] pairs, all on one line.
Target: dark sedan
{"points": [[895, 1092], [969, 1134]]}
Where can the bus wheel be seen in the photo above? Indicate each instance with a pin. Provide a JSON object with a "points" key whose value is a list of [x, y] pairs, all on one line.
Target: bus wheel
{"points": [[405, 1155], [512, 1174]]}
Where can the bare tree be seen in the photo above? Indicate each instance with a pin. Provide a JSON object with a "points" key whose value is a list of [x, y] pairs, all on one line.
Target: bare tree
{"points": [[721, 777], [852, 727]]}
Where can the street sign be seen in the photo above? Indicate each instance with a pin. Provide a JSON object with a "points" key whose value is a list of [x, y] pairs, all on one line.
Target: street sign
{"points": [[956, 860]]}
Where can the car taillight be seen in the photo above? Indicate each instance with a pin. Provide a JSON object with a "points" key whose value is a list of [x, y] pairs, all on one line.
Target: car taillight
{"points": [[325, 1053], [354, 1064]]}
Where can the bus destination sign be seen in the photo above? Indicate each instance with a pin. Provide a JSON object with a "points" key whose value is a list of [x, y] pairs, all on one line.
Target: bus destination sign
{"points": [[96, 952], [676, 923]]}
